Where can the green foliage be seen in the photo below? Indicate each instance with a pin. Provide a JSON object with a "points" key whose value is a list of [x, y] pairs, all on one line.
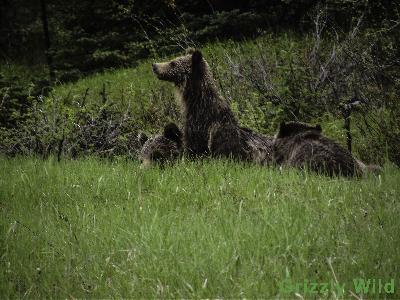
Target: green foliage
{"points": [[231, 24], [101, 115], [320, 79], [17, 94], [90, 37], [267, 80], [100, 229]]}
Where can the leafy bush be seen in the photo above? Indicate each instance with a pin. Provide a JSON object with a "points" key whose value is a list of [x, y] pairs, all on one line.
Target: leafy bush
{"points": [[17, 96], [89, 122]]}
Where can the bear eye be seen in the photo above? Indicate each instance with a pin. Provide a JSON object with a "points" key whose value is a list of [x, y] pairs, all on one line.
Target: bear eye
{"points": [[173, 64]]}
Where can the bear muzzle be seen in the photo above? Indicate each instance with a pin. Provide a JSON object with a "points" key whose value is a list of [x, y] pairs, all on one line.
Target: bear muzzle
{"points": [[158, 69], [155, 69], [161, 71]]}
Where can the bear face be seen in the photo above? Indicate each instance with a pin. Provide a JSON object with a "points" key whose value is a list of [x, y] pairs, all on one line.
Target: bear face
{"points": [[178, 69], [161, 148]]}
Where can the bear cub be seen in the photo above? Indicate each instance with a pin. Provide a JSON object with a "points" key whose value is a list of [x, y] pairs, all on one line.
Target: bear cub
{"points": [[162, 148], [302, 146]]}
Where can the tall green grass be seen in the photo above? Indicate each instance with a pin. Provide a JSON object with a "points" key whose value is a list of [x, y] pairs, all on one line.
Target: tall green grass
{"points": [[205, 229]]}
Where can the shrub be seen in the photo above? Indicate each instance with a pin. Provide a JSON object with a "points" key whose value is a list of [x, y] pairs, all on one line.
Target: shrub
{"points": [[348, 76]]}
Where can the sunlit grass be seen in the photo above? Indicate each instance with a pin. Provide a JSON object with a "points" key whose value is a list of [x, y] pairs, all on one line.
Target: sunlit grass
{"points": [[211, 229]]}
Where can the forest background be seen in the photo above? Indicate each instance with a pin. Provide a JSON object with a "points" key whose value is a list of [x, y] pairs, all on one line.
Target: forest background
{"points": [[75, 76]]}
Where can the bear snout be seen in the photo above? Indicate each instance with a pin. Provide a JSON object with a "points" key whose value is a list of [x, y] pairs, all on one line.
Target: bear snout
{"points": [[154, 67], [158, 70]]}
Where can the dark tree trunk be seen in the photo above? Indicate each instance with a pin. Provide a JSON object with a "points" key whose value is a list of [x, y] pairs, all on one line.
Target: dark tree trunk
{"points": [[47, 45], [348, 132]]}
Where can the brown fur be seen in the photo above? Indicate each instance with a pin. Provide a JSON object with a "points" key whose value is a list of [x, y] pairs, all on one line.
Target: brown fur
{"points": [[368, 169], [163, 148], [240, 143], [210, 127], [202, 105], [303, 146]]}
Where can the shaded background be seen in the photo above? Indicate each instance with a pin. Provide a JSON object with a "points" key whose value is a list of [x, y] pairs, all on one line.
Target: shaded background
{"points": [[87, 36], [335, 62]]}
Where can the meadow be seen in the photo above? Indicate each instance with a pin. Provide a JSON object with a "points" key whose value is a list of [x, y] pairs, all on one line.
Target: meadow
{"points": [[92, 228], [100, 226]]}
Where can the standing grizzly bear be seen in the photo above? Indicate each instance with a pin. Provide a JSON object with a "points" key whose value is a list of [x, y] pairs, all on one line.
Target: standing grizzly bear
{"points": [[210, 127], [161, 148], [302, 145]]}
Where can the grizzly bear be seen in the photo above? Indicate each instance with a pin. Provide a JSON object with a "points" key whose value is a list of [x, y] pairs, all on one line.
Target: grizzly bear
{"points": [[240, 143], [303, 146], [210, 126], [161, 149]]}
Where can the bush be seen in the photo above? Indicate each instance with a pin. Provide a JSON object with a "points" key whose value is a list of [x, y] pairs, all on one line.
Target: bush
{"points": [[72, 125], [349, 76], [16, 97]]}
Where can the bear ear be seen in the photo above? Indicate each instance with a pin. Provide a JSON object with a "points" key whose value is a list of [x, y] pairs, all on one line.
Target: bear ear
{"points": [[172, 132], [197, 56], [190, 51], [318, 128], [142, 138]]}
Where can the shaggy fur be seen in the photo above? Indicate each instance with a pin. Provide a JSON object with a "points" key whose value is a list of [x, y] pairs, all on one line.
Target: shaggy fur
{"points": [[240, 143], [210, 127], [303, 146], [161, 148]]}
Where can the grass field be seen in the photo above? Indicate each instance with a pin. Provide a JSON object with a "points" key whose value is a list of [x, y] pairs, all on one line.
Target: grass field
{"points": [[211, 229], [92, 228]]}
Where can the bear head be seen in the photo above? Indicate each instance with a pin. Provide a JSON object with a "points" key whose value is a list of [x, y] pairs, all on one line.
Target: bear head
{"points": [[179, 69]]}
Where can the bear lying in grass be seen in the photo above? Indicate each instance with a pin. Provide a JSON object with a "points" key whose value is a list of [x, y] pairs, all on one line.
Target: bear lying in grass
{"points": [[210, 126], [302, 146], [161, 149], [239, 143]]}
